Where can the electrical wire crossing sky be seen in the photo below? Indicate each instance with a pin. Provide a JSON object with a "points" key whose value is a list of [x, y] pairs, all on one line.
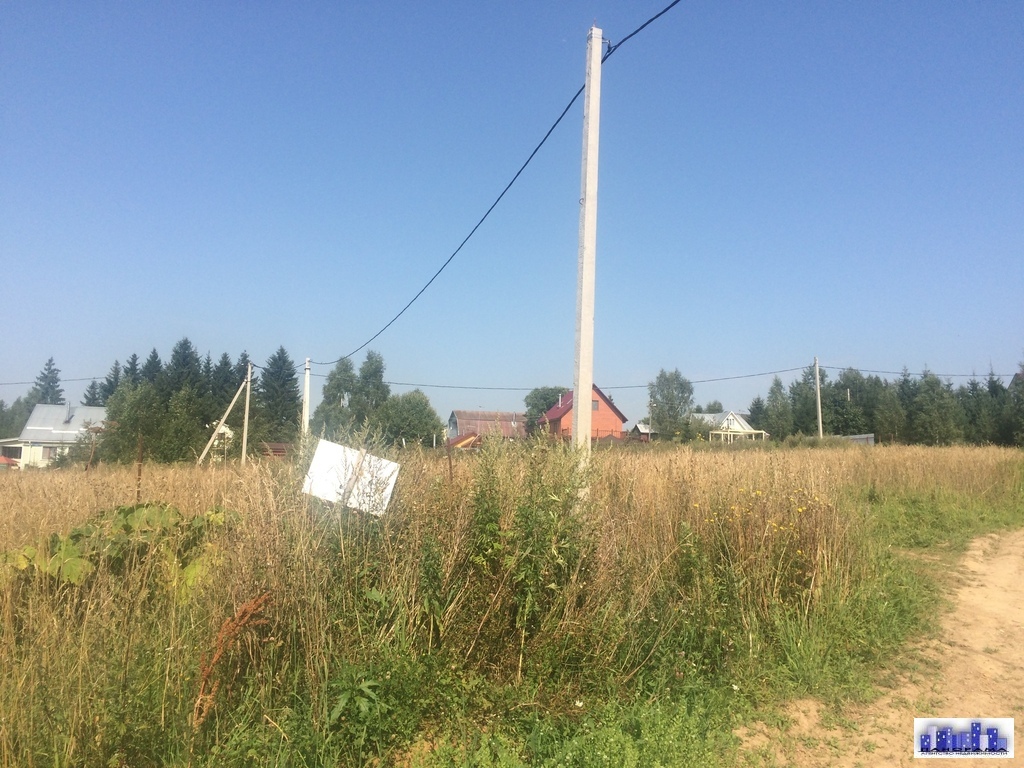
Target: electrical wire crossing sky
{"points": [[776, 183]]}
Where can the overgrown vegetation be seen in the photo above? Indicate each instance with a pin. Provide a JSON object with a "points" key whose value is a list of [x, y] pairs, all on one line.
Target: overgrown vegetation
{"points": [[509, 609]]}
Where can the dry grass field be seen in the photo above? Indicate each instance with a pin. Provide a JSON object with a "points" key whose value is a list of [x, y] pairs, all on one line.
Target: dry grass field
{"points": [[510, 607]]}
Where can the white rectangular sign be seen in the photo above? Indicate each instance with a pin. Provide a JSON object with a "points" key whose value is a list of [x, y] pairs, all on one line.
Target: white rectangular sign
{"points": [[353, 478]]}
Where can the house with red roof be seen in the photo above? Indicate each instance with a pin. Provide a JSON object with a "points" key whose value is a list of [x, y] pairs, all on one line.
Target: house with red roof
{"points": [[606, 419]]}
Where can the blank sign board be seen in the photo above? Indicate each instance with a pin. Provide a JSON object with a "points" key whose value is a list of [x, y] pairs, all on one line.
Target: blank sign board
{"points": [[350, 477]]}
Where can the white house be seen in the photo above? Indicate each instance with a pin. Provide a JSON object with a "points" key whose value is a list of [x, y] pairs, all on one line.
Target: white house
{"points": [[729, 427], [50, 431]]}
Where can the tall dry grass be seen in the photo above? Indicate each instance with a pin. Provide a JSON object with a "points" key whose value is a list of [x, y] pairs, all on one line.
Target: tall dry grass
{"points": [[672, 567]]}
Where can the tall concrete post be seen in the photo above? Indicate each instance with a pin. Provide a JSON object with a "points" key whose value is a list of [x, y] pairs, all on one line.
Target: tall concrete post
{"points": [[245, 421], [305, 402], [583, 381], [817, 395]]}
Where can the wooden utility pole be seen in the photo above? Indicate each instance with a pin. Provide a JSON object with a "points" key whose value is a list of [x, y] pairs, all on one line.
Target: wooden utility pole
{"points": [[583, 380], [220, 423]]}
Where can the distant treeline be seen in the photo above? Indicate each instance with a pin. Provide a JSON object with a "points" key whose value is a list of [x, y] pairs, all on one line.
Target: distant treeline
{"points": [[921, 409], [168, 410], [171, 408]]}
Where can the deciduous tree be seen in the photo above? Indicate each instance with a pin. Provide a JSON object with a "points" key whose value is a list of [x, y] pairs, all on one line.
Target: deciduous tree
{"points": [[135, 415], [890, 420], [409, 418], [935, 416], [333, 415], [538, 402], [672, 396], [371, 390]]}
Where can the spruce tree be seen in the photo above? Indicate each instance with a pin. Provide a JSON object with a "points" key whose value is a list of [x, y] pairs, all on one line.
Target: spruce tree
{"points": [[778, 412], [131, 371], [758, 411], [93, 394], [111, 383], [241, 370], [280, 398], [184, 369], [47, 388], [222, 384], [152, 368]]}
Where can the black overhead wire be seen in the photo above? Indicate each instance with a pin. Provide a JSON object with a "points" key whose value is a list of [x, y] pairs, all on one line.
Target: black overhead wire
{"points": [[613, 48], [465, 239], [256, 366], [609, 52]]}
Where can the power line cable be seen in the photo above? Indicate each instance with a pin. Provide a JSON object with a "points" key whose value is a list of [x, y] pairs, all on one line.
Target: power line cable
{"points": [[465, 239], [618, 387], [609, 52], [921, 374], [62, 381], [613, 48], [603, 389]]}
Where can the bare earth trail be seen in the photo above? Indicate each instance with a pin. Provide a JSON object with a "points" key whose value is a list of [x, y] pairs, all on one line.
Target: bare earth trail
{"points": [[974, 669]]}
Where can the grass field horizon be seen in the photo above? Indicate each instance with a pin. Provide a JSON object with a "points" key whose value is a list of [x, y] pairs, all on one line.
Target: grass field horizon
{"points": [[510, 608]]}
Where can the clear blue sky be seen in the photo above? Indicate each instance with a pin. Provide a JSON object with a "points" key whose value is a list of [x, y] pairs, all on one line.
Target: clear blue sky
{"points": [[777, 181]]}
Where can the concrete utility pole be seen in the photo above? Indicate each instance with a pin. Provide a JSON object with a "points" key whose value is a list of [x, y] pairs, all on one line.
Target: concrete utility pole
{"points": [[245, 421], [583, 381], [817, 392], [305, 402]]}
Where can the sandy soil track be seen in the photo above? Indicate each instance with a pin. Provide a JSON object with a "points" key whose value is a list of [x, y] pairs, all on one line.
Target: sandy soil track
{"points": [[975, 669]]}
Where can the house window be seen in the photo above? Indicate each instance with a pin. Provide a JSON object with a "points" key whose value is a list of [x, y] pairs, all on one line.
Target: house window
{"points": [[593, 405]]}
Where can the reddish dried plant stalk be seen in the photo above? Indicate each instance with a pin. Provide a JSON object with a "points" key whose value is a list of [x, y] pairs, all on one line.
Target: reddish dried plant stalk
{"points": [[246, 616]]}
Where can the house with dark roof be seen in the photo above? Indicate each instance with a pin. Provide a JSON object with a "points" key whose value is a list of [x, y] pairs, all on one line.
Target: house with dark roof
{"points": [[463, 425], [50, 431], [606, 419]]}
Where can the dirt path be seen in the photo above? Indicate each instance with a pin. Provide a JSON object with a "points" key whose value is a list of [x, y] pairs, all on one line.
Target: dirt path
{"points": [[975, 669]]}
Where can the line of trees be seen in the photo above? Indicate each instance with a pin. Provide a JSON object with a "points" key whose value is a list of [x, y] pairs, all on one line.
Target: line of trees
{"points": [[171, 407], [168, 410], [922, 410], [925, 410], [363, 401]]}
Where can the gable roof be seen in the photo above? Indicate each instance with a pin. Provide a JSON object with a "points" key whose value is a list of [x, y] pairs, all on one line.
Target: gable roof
{"points": [[729, 421], [557, 411], [60, 424], [505, 423]]}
